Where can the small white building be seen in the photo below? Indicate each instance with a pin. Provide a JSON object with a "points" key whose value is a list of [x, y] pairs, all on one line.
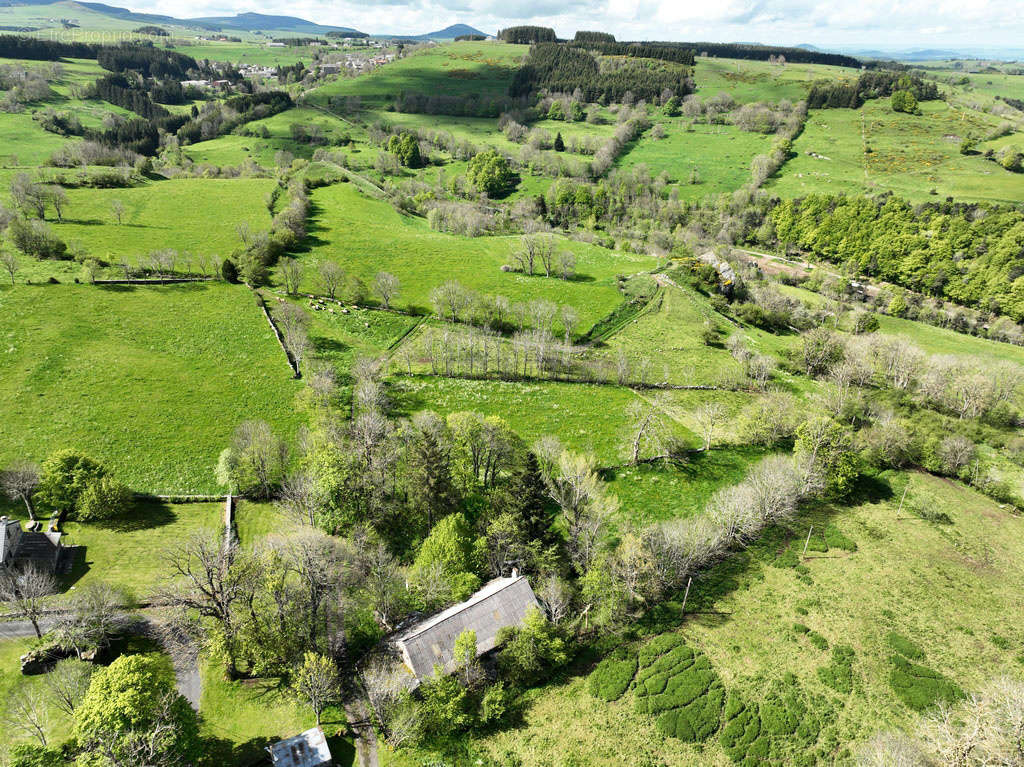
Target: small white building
{"points": [[307, 749]]}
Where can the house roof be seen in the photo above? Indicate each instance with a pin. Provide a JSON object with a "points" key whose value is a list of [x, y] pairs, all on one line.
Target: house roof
{"points": [[500, 603], [9, 532], [307, 749]]}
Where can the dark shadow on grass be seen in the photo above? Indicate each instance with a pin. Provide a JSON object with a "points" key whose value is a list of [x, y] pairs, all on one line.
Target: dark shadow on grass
{"points": [[145, 515], [403, 401], [325, 345]]}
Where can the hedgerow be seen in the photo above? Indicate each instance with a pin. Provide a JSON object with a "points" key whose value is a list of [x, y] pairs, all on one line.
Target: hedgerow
{"points": [[839, 673], [613, 675]]}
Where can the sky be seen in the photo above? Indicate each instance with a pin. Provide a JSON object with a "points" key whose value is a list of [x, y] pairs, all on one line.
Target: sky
{"points": [[861, 23]]}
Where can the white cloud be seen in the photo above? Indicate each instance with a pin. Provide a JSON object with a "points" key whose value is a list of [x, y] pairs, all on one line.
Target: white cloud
{"points": [[904, 23]]}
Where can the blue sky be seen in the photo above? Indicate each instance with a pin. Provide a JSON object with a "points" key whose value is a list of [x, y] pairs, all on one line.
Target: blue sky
{"points": [[863, 23]]}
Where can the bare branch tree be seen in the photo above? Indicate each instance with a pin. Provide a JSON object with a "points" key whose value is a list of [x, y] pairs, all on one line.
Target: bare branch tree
{"points": [[26, 587], [386, 286], [9, 262], [709, 416], [68, 682], [27, 711], [291, 272], [332, 276], [19, 481]]}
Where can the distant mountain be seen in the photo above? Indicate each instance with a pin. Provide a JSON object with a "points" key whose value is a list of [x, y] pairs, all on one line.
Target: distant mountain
{"points": [[448, 33], [253, 22], [145, 18]]}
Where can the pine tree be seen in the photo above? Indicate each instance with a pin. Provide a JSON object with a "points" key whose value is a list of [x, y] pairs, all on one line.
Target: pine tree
{"points": [[559, 143]]}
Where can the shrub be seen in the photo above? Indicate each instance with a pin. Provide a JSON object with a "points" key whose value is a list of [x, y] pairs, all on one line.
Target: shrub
{"points": [[613, 675], [228, 271], [920, 687], [103, 498], [817, 640], [64, 478], [682, 686], [904, 646], [35, 238], [839, 673], [800, 628]]}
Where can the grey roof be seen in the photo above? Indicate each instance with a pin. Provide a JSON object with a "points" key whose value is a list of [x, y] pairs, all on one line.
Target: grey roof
{"points": [[17, 545], [10, 529], [308, 749], [500, 603]]}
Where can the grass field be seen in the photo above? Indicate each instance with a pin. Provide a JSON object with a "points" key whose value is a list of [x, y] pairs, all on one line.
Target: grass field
{"points": [[234, 150], [720, 154], [949, 588], [749, 81], [911, 155], [189, 215], [366, 236], [480, 69], [151, 381]]}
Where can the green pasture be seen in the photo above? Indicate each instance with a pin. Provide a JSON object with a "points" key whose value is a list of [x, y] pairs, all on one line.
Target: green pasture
{"points": [[479, 69], [196, 216], [720, 154], [910, 155], [366, 236], [749, 81], [149, 380], [948, 588]]}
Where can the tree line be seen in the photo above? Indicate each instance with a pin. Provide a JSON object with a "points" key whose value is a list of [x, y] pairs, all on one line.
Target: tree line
{"points": [[870, 85]]}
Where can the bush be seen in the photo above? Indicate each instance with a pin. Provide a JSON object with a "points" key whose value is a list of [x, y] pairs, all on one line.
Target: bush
{"points": [[65, 476], [228, 271], [904, 646], [104, 498], [682, 686], [613, 675], [839, 673], [34, 238], [920, 687], [837, 540], [490, 172], [817, 640]]}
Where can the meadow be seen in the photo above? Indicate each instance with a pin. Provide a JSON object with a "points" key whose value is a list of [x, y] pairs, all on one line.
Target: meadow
{"points": [[948, 588], [719, 154], [750, 81], [149, 380], [195, 216], [874, 149], [479, 69], [366, 236]]}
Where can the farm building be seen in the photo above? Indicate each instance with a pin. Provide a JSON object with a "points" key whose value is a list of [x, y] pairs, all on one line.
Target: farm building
{"points": [[307, 749], [500, 603]]}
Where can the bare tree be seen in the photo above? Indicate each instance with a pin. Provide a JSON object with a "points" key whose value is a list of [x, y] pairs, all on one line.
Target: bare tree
{"points": [[556, 596], [68, 682], [9, 262], [386, 286], [92, 615], [117, 208], [291, 272], [646, 429], [59, 199], [298, 498], [214, 578], [709, 416], [450, 300], [569, 319], [19, 482], [27, 711], [293, 323], [332, 276], [566, 264], [383, 681], [26, 587]]}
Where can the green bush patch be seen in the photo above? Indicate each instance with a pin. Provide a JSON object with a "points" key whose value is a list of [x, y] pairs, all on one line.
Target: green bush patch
{"points": [[839, 673], [920, 687], [818, 640], [683, 689], [837, 540], [904, 646], [613, 675], [782, 729]]}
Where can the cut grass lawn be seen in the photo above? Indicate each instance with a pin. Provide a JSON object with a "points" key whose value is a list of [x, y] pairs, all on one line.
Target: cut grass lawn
{"points": [[149, 380], [948, 587], [910, 155], [366, 236]]}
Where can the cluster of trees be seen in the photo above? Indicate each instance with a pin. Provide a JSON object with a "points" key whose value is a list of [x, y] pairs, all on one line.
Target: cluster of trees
{"points": [[765, 52], [966, 253], [67, 484], [873, 84], [566, 68], [24, 86], [527, 35], [217, 118], [490, 173], [147, 60], [38, 49], [658, 51]]}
